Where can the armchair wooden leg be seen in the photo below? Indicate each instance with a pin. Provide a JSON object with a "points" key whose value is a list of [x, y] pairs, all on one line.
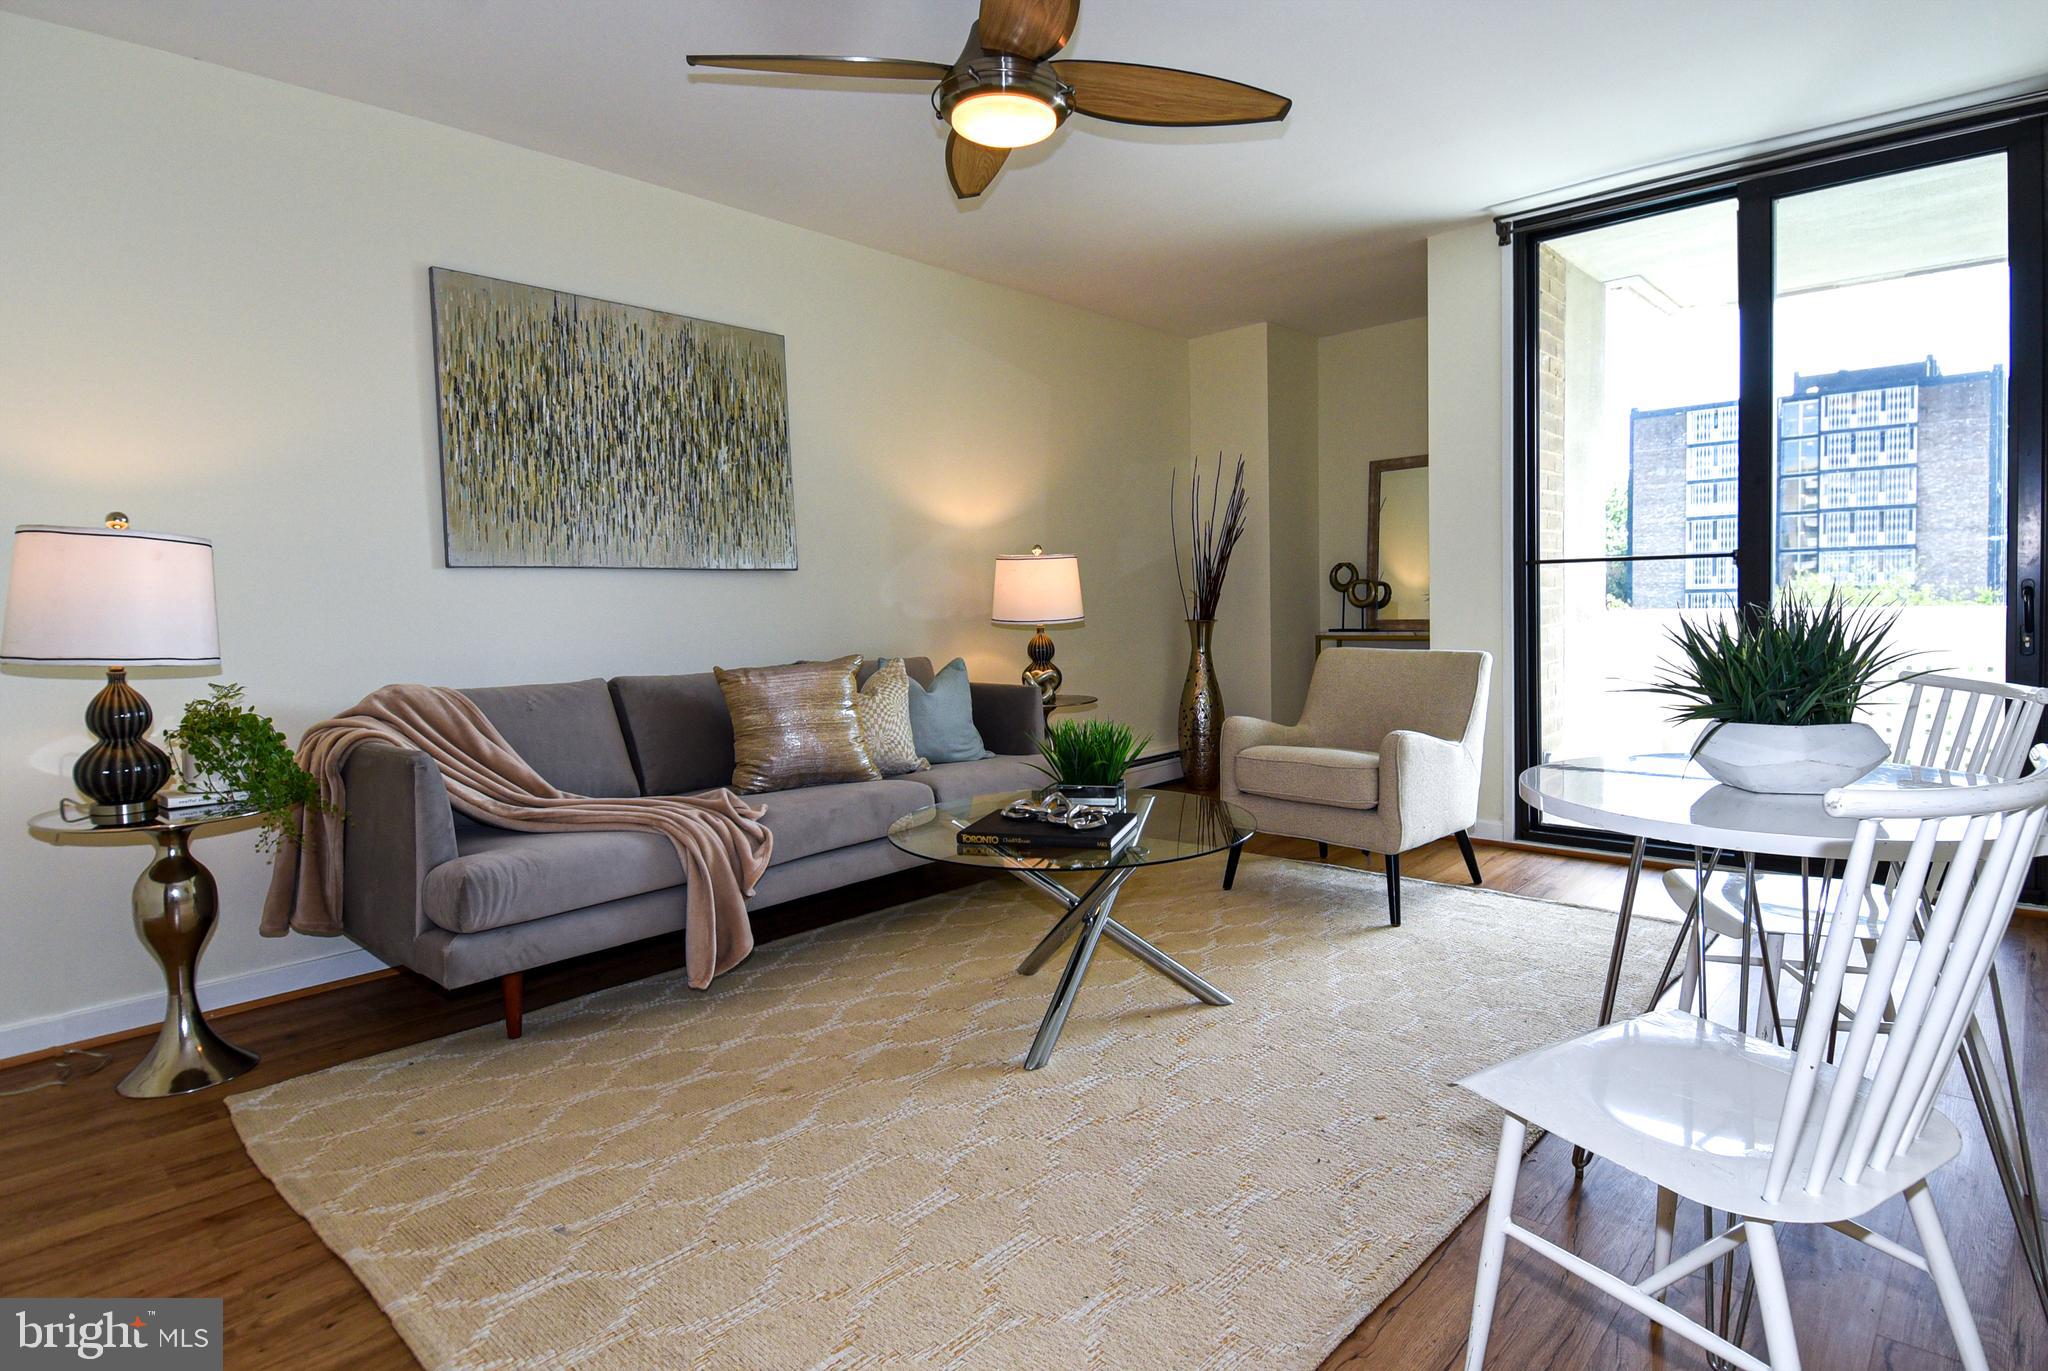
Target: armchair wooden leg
{"points": [[1394, 888], [1471, 857], [1323, 852], [1230, 867], [512, 986]]}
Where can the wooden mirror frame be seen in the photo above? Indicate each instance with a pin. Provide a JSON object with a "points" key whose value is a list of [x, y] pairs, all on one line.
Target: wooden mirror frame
{"points": [[1372, 534]]}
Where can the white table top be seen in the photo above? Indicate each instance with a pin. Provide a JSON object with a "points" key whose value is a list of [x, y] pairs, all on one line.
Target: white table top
{"points": [[1663, 796]]}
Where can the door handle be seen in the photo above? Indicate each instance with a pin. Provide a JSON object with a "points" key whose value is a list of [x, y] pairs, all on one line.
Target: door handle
{"points": [[2027, 617]]}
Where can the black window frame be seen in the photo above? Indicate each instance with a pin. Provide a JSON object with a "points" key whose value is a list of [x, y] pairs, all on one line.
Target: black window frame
{"points": [[2019, 129]]}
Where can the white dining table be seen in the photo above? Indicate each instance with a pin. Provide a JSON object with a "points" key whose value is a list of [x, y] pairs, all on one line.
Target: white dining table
{"points": [[1666, 797]]}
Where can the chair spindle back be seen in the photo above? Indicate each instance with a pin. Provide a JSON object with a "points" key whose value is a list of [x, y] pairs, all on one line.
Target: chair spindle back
{"points": [[1985, 837], [1960, 723]]}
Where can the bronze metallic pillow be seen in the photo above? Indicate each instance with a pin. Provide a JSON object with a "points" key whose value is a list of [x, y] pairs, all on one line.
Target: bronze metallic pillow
{"points": [[795, 725]]}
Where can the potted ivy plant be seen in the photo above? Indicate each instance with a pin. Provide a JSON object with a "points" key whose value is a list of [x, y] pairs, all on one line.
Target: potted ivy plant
{"points": [[240, 757], [1087, 759], [1779, 691]]}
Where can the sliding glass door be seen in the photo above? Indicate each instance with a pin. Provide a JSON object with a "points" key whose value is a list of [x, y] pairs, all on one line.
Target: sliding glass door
{"points": [[1637, 363], [1890, 362], [1820, 379]]}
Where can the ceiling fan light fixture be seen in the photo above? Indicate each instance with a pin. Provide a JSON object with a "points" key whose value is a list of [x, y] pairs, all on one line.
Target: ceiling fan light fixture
{"points": [[1003, 119]]}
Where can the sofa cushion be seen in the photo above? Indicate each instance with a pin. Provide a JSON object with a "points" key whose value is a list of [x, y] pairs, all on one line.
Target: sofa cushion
{"points": [[1311, 775], [678, 730], [568, 732], [952, 781], [823, 818], [503, 877]]}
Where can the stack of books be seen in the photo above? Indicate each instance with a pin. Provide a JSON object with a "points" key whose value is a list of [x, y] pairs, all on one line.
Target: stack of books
{"points": [[1037, 836], [172, 803]]}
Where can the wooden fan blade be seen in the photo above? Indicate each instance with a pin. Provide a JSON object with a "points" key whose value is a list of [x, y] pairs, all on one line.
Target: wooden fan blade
{"points": [[1028, 28], [1131, 94], [970, 166], [873, 68]]}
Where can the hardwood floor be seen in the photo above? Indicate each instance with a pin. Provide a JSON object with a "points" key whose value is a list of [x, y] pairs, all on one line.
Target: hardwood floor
{"points": [[105, 1196]]}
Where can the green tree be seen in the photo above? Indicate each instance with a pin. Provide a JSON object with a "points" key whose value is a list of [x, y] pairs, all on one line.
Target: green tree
{"points": [[1620, 582]]}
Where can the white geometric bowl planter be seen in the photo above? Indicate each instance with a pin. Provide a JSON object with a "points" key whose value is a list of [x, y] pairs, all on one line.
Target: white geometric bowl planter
{"points": [[1783, 759]]}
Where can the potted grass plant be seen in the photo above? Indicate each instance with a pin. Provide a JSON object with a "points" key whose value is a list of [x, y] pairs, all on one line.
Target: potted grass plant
{"points": [[1779, 691], [1087, 759]]}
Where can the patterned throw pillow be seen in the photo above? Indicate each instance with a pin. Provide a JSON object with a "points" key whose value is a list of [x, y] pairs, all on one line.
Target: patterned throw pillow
{"points": [[795, 725], [884, 711]]}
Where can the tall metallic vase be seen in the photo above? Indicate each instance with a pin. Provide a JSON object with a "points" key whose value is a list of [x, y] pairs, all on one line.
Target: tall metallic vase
{"points": [[1201, 710]]}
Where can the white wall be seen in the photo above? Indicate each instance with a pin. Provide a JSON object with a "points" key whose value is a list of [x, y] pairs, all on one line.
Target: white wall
{"points": [[1373, 403], [1468, 520], [1228, 415], [1292, 497], [215, 318]]}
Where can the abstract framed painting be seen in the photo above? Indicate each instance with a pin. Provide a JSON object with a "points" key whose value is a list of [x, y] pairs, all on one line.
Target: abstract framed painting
{"points": [[578, 432]]}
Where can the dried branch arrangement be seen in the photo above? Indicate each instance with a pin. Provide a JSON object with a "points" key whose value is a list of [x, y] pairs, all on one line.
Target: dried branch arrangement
{"points": [[1211, 537]]}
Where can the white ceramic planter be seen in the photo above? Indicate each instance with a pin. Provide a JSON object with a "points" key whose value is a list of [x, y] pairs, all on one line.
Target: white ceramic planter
{"points": [[1777, 759]]}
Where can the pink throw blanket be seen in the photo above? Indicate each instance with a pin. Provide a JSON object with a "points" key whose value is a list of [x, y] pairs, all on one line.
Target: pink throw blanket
{"points": [[723, 845]]}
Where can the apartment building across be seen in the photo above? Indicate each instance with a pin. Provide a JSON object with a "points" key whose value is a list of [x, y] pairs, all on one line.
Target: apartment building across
{"points": [[1887, 477]]}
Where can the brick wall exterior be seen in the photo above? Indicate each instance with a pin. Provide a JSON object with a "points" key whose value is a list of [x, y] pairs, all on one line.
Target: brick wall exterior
{"points": [[1955, 483], [1957, 445], [1657, 506]]}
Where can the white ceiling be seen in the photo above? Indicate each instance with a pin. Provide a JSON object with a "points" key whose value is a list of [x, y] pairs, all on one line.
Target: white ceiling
{"points": [[1409, 115]]}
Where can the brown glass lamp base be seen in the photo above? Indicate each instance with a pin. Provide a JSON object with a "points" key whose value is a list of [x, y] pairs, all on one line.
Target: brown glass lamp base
{"points": [[1042, 673], [122, 771]]}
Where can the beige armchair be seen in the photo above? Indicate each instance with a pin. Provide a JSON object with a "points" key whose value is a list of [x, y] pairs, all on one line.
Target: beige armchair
{"points": [[1385, 758]]}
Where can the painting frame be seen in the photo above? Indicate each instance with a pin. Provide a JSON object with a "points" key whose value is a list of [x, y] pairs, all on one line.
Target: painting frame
{"points": [[582, 433]]}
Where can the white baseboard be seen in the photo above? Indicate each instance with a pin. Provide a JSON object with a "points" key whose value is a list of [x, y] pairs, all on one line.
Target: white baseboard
{"points": [[1156, 772], [145, 1011], [1493, 830]]}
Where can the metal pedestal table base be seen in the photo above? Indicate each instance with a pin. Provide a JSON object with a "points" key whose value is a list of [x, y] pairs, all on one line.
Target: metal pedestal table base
{"points": [[1088, 921]]}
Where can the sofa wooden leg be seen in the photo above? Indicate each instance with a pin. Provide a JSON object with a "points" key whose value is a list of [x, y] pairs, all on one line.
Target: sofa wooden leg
{"points": [[1323, 852], [1394, 888], [1230, 867], [1471, 857], [513, 986]]}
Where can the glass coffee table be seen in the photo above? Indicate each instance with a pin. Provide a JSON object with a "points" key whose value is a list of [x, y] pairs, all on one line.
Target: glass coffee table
{"points": [[1174, 826]]}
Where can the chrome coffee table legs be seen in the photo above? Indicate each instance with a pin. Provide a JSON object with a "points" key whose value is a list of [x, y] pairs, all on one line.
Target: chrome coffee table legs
{"points": [[1087, 922]]}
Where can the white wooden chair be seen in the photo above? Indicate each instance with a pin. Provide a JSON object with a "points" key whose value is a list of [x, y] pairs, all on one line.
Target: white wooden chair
{"points": [[1780, 1136]]}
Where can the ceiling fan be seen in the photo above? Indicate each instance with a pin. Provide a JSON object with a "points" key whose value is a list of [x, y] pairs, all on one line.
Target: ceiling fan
{"points": [[1004, 90]]}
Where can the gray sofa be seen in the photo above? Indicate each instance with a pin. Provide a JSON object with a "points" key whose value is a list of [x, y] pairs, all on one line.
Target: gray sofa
{"points": [[460, 902]]}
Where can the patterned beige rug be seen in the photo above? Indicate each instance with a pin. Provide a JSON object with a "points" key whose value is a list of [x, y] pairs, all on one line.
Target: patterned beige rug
{"points": [[833, 1157]]}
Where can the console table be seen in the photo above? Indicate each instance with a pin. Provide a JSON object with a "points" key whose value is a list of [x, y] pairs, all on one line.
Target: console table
{"points": [[1372, 637]]}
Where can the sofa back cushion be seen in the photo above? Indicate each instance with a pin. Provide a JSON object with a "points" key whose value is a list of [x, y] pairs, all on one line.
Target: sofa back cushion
{"points": [[568, 732], [679, 731]]}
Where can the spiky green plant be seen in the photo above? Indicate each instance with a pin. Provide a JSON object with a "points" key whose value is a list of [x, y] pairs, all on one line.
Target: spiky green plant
{"points": [[1089, 751], [1804, 662]]}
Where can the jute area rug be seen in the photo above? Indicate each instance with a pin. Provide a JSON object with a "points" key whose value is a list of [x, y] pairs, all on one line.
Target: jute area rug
{"points": [[833, 1158]]}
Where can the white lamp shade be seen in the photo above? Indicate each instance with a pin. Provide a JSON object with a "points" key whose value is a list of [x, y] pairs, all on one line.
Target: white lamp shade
{"points": [[1037, 588], [109, 597]]}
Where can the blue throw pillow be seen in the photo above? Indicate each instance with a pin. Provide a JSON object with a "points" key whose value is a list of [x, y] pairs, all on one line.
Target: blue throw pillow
{"points": [[942, 718]]}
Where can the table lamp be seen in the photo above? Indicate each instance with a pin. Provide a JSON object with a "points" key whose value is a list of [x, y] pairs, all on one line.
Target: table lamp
{"points": [[117, 598], [1032, 590]]}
